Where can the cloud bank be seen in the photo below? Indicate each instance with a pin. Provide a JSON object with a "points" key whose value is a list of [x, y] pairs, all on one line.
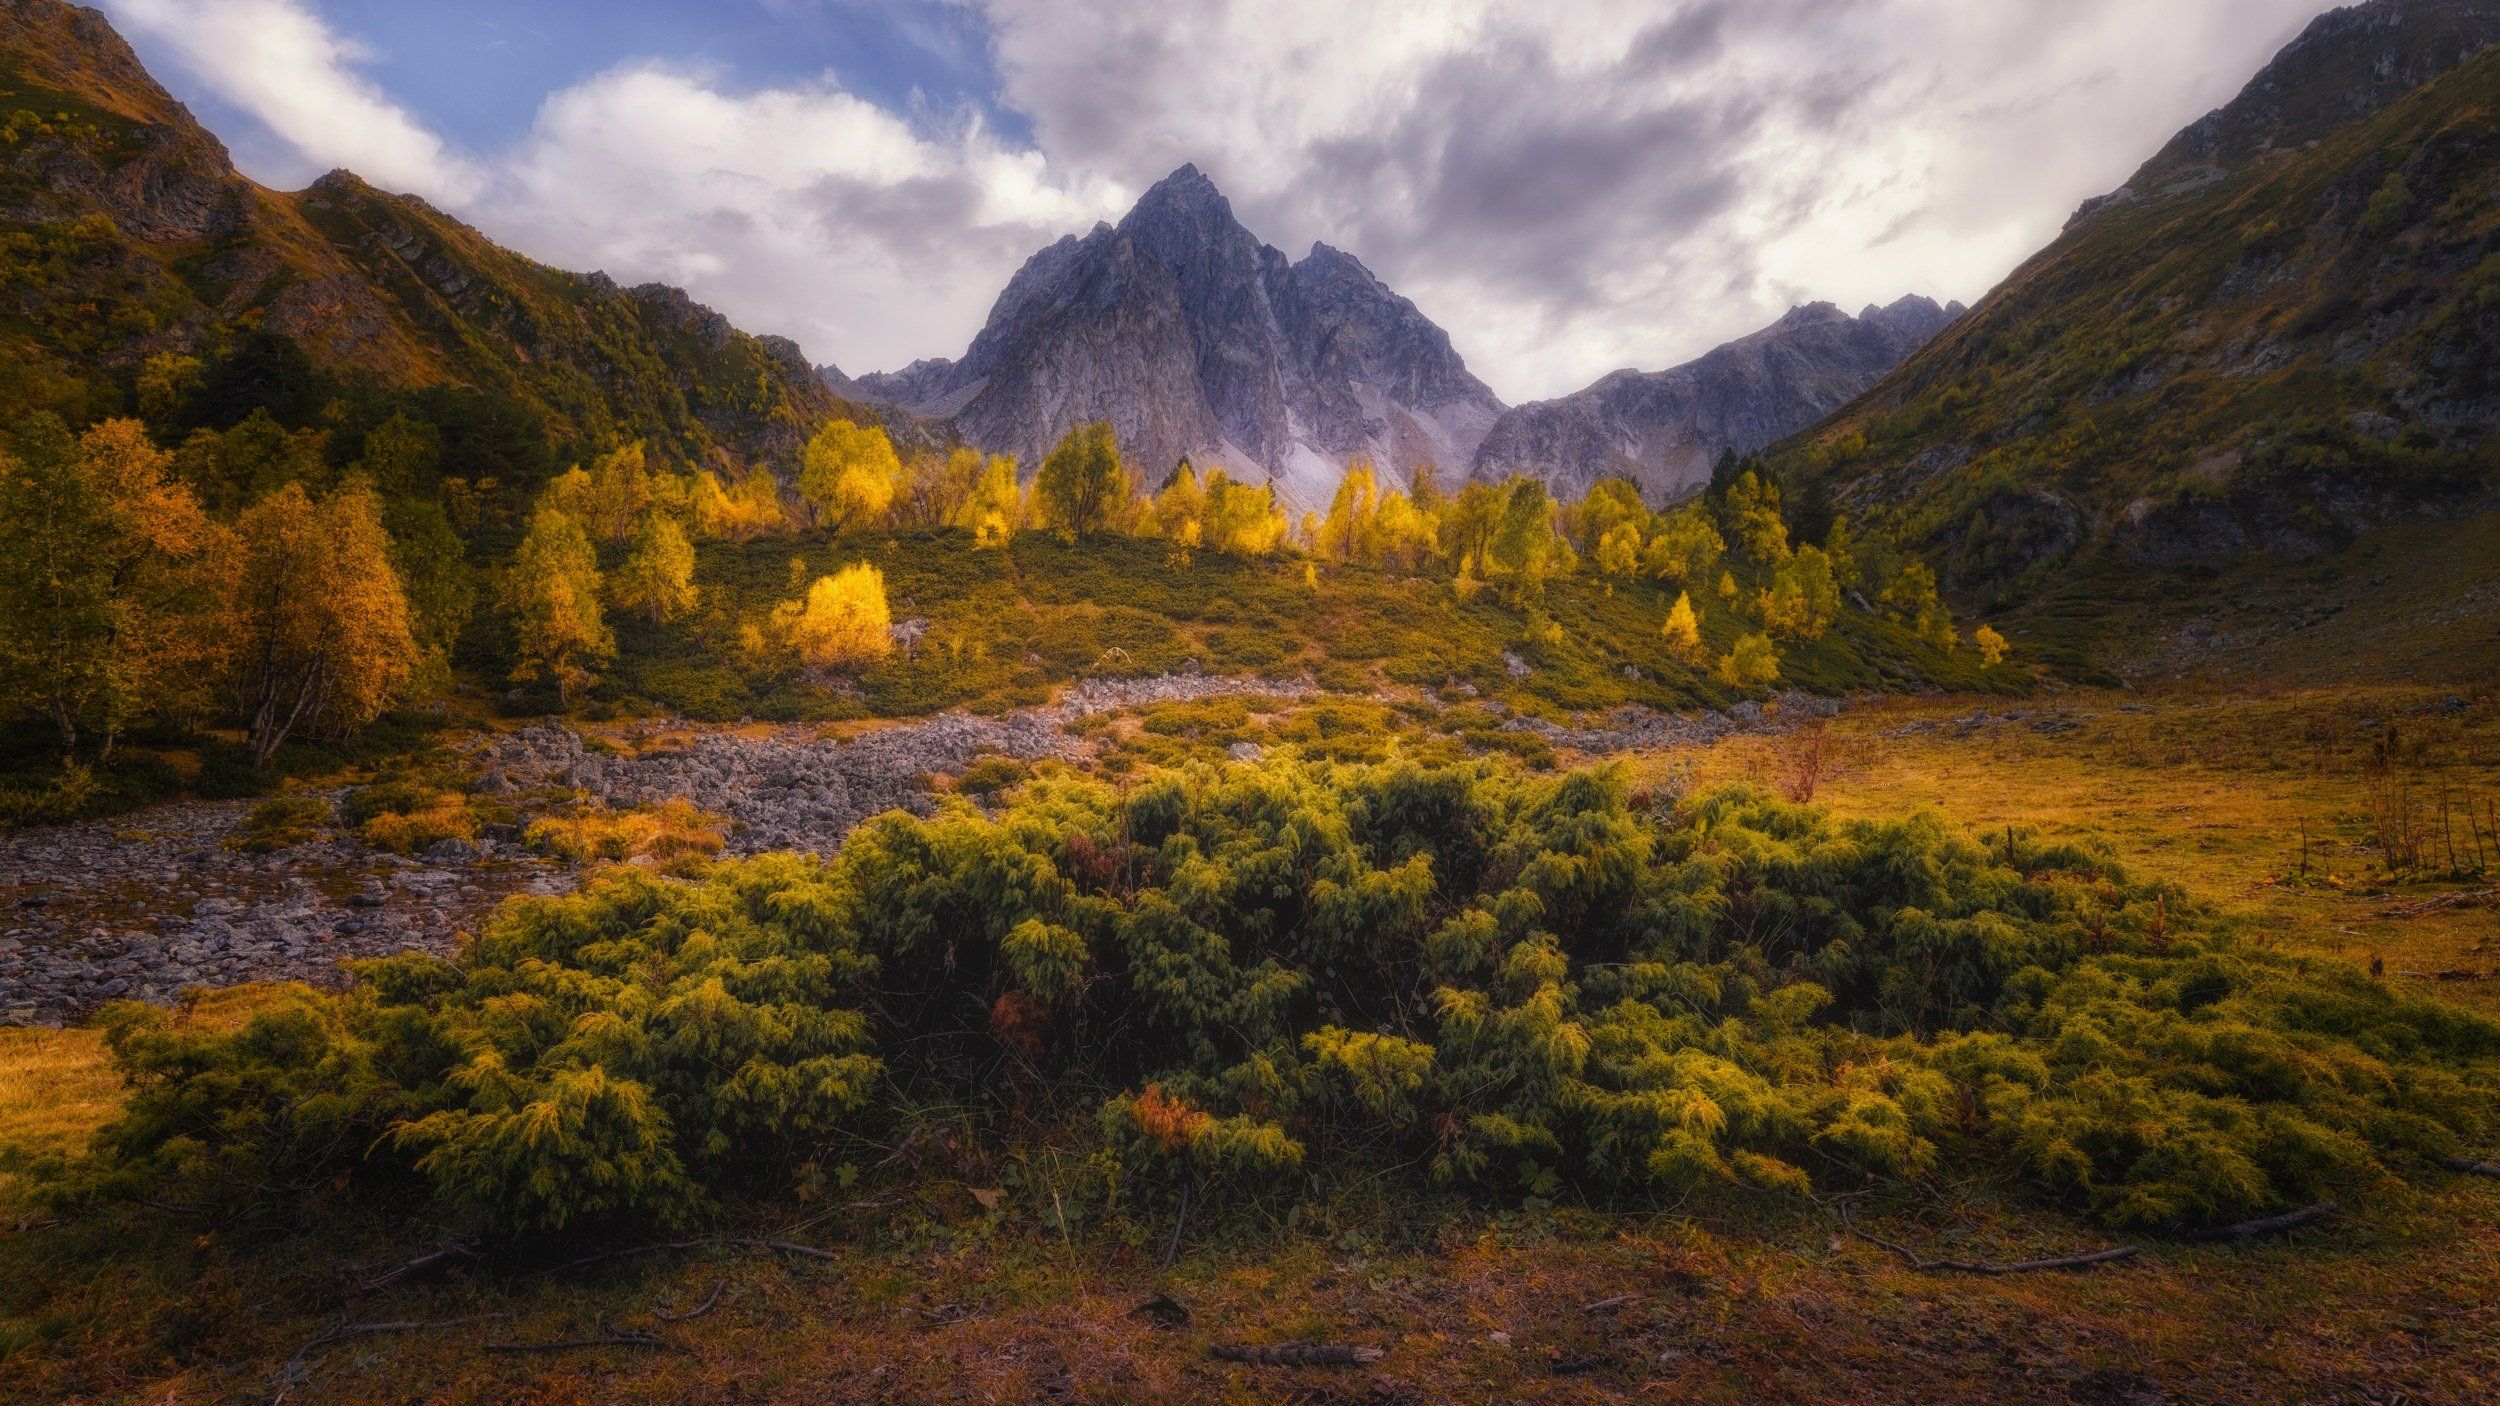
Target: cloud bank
{"points": [[1567, 188]]}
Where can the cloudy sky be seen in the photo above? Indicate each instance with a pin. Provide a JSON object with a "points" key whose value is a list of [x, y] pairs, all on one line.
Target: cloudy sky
{"points": [[1568, 186]]}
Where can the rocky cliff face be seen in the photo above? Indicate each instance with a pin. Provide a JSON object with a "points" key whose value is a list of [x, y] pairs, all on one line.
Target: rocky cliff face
{"points": [[1196, 340], [1664, 429], [145, 218]]}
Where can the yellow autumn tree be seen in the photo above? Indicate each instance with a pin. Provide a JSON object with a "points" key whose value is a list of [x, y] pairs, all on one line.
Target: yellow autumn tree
{"points": [[1684, 547], [1348, 532], [113, 581], [1803, 599], [1409, 536], [1753, 517], [844, 622], [1683, 631], [1180, 511], [1991, 645], [995, 508], [1243, 520], [656, 579], [551, 595], [848, 474], [1753, 662], [737, 512], [323, 632]]}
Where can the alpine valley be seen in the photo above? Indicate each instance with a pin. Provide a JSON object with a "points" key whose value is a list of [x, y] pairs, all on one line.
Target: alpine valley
{"points": [[557, 850]]}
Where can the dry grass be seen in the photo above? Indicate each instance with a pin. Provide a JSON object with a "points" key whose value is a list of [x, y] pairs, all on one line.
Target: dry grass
{"points": [[2222, 794]]}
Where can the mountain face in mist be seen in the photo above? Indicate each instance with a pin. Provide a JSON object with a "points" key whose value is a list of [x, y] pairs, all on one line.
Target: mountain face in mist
{"points": [[1664, 429], [1196, 340]]}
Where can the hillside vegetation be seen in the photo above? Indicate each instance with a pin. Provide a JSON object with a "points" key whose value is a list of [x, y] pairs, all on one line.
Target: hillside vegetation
{"points": [[2249, 350]]}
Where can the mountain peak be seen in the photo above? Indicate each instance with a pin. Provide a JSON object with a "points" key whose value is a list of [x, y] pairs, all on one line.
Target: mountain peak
{"points": [[1187, 189]]}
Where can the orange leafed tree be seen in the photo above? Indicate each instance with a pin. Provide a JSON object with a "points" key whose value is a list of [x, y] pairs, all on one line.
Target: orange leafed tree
{"points": [[325, 638], [112, 582]]}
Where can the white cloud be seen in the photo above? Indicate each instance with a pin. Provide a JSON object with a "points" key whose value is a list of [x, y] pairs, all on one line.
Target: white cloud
{"points": [[278, 62], [800, 210], [1570, 188], [1567, 188]]}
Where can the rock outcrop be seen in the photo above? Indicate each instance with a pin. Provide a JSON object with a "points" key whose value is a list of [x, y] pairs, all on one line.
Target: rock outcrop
{"points": [[1196, 340], [1664, 429]]}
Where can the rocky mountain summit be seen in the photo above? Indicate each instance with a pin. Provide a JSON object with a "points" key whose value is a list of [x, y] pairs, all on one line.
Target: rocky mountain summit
{"points": [[1664, 429], [1196, 340]]}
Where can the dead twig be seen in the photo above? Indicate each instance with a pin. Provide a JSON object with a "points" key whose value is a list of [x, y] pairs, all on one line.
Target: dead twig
{"points": [[630, 1337], [2267, 1225], [1298, 1354], [708, 1304], [449, 1250], [733, 1242], [2422, 907], [1604, 1305], [1927, 1266], [344, 1331]]}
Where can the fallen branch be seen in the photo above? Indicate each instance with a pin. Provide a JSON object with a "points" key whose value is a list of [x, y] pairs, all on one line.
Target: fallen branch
{"points": [[1299, 1354], [2266, 1226], [2487, 897], [631, 1337], [450, 1250], [364, 1330], [1925, 1265], [2472, 1167], [733, 1242], [1603, 1305], [698, 1310]]}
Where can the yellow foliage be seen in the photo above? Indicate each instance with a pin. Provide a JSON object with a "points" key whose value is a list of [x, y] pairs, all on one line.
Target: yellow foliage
{"points": [[843, 623], [323, 623], [1683, 630], [552, 594], [848, 474], [657, 579], [1991, 646], [673, 833], [1754, 662]]}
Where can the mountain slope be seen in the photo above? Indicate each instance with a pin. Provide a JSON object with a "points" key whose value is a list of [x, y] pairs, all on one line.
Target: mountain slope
{"points": [[2284, 332], [1196, 340], [1664, 429], [128, 234]]}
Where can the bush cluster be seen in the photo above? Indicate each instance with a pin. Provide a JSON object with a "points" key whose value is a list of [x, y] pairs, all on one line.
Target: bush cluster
{"points": [[1251, 975]]}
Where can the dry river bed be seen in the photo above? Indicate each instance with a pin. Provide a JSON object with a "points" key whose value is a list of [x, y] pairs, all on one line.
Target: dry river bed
{"points": [[146, 905]]}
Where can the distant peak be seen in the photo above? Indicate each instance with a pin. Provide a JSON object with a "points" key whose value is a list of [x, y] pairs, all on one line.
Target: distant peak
{"points": [[1185, 191], [1333, 259]]}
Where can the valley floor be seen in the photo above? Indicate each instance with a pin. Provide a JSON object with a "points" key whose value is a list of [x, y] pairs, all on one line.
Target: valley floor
{"points": [[963, 1285]]}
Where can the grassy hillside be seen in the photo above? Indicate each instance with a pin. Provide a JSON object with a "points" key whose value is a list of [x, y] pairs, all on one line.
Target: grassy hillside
{"points": [[135, 264], [2266, 352], [1008, 627]]}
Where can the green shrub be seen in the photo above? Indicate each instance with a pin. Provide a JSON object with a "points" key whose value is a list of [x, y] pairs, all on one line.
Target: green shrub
{"points": [[280, 822], [1523, 984]]}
